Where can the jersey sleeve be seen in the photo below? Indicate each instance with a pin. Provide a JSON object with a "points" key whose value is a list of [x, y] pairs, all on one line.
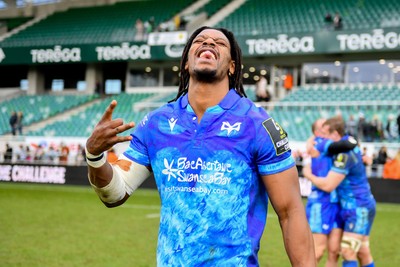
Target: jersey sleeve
{"points": [[137, 149], [322, 145], [342, 163], [326, 146], [273, 150], [347, 143]]}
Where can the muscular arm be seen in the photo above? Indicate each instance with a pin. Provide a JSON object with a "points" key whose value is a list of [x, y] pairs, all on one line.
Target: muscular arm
{"points": [[112, 183], [101, 177], [284, 192], [328, 183], [126, 177]]}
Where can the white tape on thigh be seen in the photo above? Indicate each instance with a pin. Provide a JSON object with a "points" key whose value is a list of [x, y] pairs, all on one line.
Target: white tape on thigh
{"points": [[351, 242]]}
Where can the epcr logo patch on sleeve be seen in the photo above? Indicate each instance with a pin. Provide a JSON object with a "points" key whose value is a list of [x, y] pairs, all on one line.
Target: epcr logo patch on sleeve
{"points": [[340, 161], [278, 136]]}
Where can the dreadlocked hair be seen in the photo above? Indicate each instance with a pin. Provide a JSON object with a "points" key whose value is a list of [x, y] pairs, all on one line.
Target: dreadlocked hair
{"points": [[235, 79]]}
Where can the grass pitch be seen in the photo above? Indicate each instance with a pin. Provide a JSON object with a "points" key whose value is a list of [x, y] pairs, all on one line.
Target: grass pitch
{"points": [[51, 225]]}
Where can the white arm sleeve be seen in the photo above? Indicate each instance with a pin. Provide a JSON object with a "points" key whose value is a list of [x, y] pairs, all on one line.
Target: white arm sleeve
{"points": [[124, 181]]}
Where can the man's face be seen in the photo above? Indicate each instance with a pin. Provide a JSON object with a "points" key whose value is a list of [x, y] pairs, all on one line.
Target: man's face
{"points": [[209, 56], [327, 133], [318, 128]]}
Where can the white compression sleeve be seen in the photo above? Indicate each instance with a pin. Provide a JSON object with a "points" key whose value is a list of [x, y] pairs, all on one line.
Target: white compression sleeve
{"points": [[125, 180], [134, 176], [113, 192]]}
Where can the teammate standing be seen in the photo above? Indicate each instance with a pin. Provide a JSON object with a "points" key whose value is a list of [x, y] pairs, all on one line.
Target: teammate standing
{"points": [[322, 208], [216, 159], [358, 205]]}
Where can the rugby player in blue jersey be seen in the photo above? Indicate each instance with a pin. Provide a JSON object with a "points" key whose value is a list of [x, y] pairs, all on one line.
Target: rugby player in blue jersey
{"points": [[216, 158], [322, 208], [358, 206]]}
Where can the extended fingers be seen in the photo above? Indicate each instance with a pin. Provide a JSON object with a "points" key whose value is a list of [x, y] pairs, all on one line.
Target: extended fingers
{"points": [[109, 129], [107, 116], [120, 129], [124, 127], [121, 139]]}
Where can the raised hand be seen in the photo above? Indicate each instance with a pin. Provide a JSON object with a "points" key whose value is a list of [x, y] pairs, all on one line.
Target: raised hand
{"points": [[105, 134]]}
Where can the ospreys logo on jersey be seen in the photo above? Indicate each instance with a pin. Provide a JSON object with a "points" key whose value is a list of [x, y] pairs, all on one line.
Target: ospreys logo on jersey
{"points": [[226, 126], [278, 135], [340, 161]]}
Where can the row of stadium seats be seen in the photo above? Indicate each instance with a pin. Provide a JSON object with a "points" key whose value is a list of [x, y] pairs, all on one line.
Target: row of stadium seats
{"points": [[292, 16], [340, 93], [115, 23], [39, 107], [298, 120], [82, 124], [213, 6], [100, 24]]}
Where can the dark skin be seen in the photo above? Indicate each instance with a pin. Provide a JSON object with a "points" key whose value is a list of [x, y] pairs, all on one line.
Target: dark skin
{"points": [[286, 201], [105, 136]]}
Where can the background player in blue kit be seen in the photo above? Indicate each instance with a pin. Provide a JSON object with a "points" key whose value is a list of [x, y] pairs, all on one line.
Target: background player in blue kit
{"points": [[216, 159], [358, 205], [323, 208]]}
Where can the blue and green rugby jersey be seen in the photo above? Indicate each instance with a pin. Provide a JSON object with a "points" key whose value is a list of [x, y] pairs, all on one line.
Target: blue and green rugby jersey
{"points": [[213, 201], [320, 167], [354, 191]]}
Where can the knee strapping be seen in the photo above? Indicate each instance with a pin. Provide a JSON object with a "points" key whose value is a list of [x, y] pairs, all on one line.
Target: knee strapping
{"points": [[351, 243]]}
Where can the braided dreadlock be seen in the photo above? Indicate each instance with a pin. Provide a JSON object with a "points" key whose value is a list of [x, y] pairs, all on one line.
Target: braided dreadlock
{"points": [[235, 79]]}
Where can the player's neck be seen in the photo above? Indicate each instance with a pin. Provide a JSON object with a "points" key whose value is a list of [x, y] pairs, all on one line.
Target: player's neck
{"points": [[204, 95]]}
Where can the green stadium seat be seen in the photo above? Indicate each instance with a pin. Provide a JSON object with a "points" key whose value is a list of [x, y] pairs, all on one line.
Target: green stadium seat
{"points": [[292, 16], [82, 124], [99, 24], [40, 107]]}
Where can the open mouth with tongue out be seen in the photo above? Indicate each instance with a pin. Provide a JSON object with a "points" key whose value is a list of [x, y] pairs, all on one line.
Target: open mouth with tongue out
{"points": [[207, 54]]}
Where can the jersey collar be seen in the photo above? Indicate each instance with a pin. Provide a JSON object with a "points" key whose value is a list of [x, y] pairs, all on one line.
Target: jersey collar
{"points": [[229, 100]]}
